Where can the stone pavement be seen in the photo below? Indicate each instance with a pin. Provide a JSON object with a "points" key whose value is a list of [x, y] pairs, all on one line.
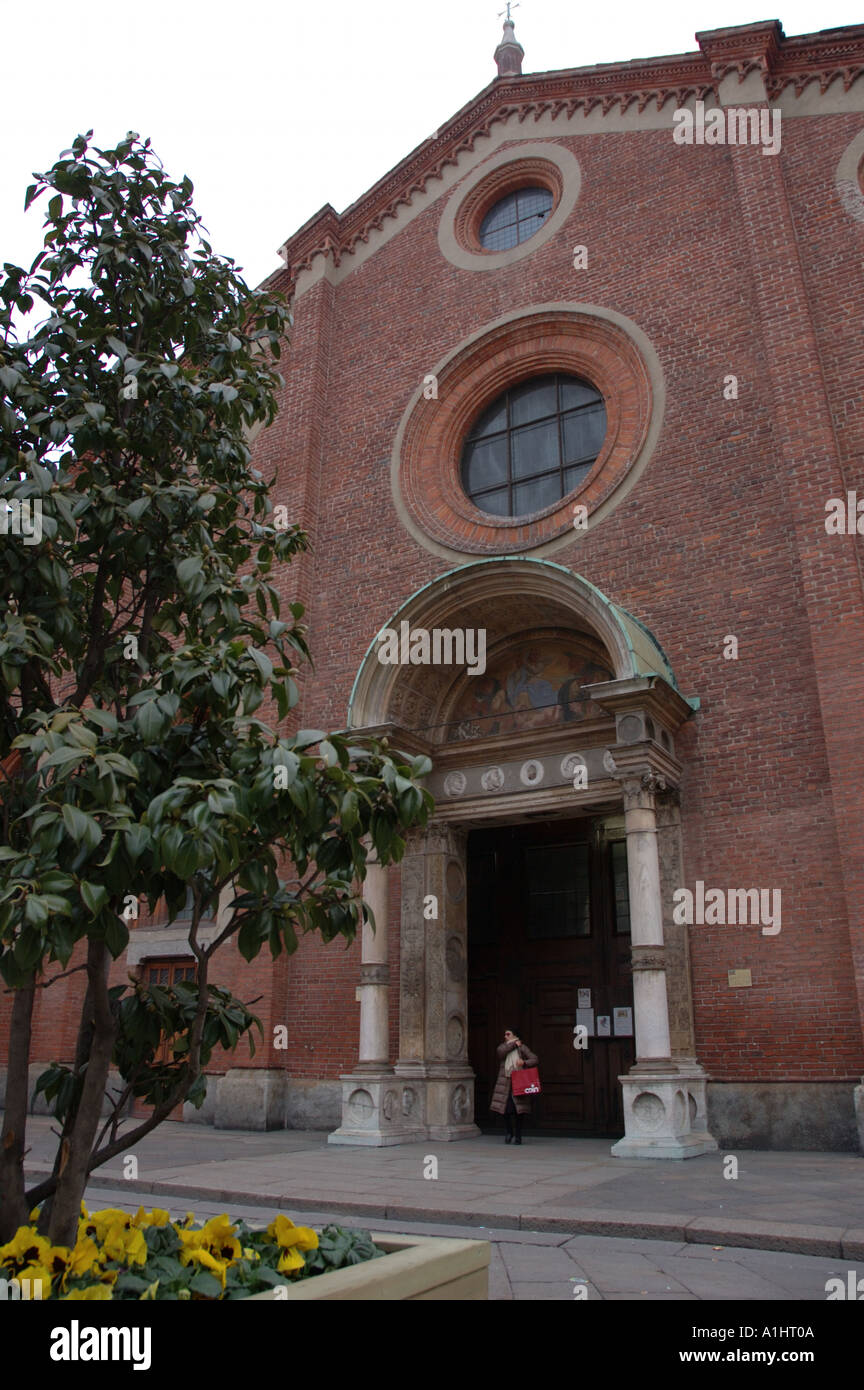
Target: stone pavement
{"points": [[808, 1203], [557, 1211], [543, 1266]]}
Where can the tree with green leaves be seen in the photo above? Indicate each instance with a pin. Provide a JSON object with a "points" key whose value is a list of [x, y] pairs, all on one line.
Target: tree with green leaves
{"points": [[141, 631]]}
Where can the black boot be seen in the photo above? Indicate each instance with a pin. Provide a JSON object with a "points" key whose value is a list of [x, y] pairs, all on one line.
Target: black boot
{"points": [[518, 1129], [508, 1137]]}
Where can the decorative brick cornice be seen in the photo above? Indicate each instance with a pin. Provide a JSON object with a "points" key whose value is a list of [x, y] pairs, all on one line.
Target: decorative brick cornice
{"points": [[742, 49], [753, 47]]}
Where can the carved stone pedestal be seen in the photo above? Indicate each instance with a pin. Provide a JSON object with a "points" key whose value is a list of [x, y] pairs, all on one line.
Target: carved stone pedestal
{"points": [[378, 1109], [446, 1091], [664, 1113]]}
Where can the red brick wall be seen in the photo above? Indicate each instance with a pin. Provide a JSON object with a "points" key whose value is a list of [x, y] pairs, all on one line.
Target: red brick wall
{"points": [[706, 544], [730, 262]]}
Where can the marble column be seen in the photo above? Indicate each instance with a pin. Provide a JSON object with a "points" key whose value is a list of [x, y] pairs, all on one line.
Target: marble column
{"points": [[664, 1099], [372, 992], [371, 1106]]}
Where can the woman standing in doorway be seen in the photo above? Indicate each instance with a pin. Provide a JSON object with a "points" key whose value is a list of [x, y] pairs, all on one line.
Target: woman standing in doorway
{"points": [[512, 1056]]}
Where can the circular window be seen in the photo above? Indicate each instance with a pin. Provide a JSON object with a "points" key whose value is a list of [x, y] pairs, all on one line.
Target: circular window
{"points": [[533, 445], [522, 402], [509, 206], [515, 218]]}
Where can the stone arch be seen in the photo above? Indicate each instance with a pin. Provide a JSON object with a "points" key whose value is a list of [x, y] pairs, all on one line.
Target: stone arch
{"points": [[500, 596]]}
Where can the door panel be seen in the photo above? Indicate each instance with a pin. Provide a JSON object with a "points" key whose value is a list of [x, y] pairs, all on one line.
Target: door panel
{"points": [[548, 916]]}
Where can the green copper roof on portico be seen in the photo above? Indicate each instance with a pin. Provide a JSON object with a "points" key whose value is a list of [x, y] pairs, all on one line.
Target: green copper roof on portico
{"points": [[647, 657]]}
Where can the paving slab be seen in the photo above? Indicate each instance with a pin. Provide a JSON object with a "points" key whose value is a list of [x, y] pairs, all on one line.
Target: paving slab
{"points": [[697, 1272], [810, 1203]]}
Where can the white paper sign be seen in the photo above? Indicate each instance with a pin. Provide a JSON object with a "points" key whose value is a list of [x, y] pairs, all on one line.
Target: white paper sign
{"points": [[583, 998], [585, 1019], [604, 1026], [623, 1019]]}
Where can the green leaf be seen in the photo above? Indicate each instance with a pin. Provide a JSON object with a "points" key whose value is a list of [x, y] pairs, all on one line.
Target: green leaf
{"points": [[116, 936], [264, 664], [76, 822], [138, 839], [189, 569], [150, 721], [206, 1284], [95, 896]]}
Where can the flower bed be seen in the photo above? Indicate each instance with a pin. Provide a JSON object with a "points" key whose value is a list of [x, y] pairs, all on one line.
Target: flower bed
{"points": [[149, 1256]]}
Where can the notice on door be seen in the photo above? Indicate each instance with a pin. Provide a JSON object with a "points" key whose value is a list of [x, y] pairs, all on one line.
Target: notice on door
{"points": [[585, 1019], [583, 998], [622, 1020]]}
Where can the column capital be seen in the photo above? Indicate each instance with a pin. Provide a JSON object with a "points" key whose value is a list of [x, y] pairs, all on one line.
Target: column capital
{"points": [[643, 771]]}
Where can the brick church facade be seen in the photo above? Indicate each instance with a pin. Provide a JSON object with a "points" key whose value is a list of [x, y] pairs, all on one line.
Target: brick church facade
{"points": [[580, 379]]}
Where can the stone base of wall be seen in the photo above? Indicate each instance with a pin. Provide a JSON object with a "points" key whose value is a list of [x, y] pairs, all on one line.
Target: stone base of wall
{"points": [[38, 1105], [256, 1098], [785, 1115]]}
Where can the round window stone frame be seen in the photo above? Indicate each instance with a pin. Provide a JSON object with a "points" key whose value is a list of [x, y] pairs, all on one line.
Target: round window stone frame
{"points": [[541, 163], [849, 178], [585, 341]]}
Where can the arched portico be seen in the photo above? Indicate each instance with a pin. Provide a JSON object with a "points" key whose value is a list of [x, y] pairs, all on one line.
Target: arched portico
{"points": [[605, 746]]}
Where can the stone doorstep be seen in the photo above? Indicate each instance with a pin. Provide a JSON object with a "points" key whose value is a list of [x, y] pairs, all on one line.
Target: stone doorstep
{"points": [[414, 1267], [839, 1241]]}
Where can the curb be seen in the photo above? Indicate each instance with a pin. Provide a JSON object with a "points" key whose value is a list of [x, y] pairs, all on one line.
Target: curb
{"points": [[833, 1241]]}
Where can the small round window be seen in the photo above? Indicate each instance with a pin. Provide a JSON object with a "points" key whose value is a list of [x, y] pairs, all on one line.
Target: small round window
{"points": [[533, 445], [515, 218]]}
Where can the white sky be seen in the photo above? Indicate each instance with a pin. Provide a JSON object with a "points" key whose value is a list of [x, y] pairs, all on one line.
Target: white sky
{"points": [[274, 109]]}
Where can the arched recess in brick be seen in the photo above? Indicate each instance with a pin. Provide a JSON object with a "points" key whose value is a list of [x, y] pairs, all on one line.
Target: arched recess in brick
{"points": [[503, 597]]}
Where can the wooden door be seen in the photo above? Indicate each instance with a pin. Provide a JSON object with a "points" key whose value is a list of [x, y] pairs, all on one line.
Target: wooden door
{"points": [[163, 972], [547, 917]]}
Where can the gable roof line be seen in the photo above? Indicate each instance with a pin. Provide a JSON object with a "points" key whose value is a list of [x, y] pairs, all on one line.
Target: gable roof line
{"points": [[805, 58]]}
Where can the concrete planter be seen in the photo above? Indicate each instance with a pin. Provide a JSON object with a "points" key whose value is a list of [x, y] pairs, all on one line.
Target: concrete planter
{"points": [[415, 1267]]}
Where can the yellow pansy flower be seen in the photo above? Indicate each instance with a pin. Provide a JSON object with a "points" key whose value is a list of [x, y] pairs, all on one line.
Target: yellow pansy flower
{"points": [[289, 1260], [206, 1261], [156, 1217], [287, 1234], [83, 1257], [218, 1236], [101, 1292], [25, 1247], [99, 1223], [126, 1246], [37, 1274]]}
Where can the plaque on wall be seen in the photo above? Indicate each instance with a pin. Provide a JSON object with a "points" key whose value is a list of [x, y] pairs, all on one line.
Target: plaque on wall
{"points": [[623, 1022]]}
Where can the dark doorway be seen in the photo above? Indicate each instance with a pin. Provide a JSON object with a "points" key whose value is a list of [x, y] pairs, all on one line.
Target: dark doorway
{"points": [[548, 915]]}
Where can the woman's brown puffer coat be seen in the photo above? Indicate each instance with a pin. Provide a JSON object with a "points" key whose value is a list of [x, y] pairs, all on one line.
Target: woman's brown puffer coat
{"points": [[502, 1085]]}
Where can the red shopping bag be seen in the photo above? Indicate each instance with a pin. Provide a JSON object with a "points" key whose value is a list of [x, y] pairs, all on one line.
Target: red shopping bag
{"points": [[525, 1081]]}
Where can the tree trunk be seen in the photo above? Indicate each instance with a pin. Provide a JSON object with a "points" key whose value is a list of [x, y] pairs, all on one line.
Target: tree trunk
{"points": [[14, 1211], [82, 1052], [66, 1205]]}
